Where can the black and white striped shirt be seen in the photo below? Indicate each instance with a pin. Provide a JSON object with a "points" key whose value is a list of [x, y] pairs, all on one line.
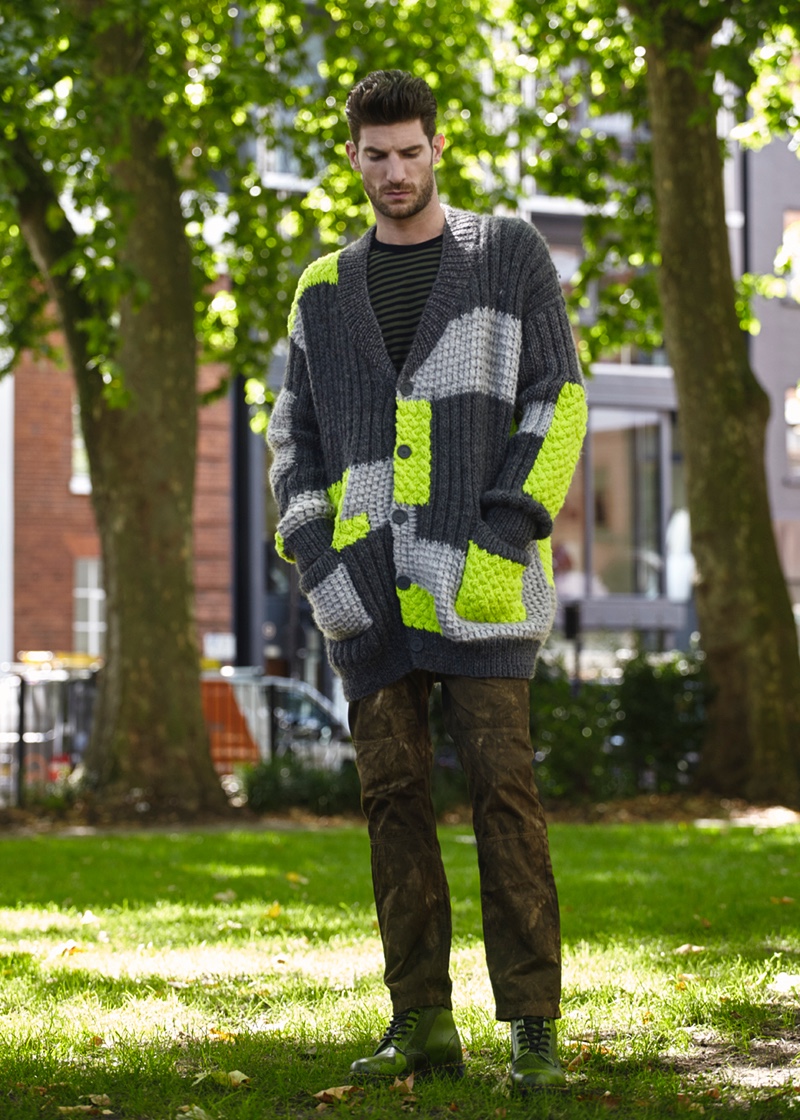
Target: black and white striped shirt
{"points": [[399, 280]]}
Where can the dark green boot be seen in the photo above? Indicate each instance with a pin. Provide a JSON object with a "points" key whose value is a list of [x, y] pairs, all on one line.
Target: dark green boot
{"points": [[420, 1040], [534, 1057]]}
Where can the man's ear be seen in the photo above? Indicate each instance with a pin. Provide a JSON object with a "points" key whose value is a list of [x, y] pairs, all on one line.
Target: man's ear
{"points": [[438, 144], [352, 155]]}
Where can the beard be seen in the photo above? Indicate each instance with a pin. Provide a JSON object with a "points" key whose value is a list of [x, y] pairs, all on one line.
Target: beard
{"points": [[419, 198]]}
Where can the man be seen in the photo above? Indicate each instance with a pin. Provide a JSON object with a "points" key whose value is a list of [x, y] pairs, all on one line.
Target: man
{"points": [[431, 418]]}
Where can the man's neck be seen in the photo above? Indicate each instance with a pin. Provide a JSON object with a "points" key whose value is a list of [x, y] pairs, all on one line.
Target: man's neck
{"points": [[424, 226]]}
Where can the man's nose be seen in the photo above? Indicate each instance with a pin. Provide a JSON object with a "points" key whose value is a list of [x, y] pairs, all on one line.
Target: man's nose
{"points": [[396, 169]]}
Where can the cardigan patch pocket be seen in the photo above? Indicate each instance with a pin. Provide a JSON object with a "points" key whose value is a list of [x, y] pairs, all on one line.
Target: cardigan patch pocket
{"points": [[335, 602], [491, 588]]}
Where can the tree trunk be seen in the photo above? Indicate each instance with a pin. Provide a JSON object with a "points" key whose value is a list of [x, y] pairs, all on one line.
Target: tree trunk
{"points": [[747, 628], [149, 748], [149, 734]]}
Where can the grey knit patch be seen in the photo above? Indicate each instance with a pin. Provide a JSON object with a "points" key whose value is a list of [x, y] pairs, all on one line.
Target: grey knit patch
{"points": [[304, 508], [477, 353], [338, 610], [281, 436], [537, 418], [369, 490]]}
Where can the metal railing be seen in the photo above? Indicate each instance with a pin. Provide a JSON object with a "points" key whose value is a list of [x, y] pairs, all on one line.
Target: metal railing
{"points": [[45, 719]]}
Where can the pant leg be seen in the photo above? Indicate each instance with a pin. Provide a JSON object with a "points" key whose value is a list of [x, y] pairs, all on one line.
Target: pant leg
{"points": [[394, 758], [489, 722]]}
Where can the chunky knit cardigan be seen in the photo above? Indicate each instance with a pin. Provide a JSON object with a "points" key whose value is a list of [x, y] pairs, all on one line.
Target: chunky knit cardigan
{"points": [[419, 506]]}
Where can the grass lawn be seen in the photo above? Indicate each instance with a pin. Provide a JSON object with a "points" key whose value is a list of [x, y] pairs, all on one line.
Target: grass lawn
{"points": [[138, 971]]}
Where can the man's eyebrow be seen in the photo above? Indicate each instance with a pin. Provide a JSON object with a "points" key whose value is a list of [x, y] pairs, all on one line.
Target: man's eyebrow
{"points": [[410, 150]]}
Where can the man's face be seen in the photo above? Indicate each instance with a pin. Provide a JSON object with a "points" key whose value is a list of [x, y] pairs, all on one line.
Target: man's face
{"points": [[396, 164]]}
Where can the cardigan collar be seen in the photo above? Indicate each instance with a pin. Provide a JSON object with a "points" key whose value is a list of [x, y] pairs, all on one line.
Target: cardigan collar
{"points": [[459, 243]]}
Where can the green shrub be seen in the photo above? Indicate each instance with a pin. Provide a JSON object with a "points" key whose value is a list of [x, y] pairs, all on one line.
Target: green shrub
{"points": [[284, 783], [571, 732], [605, 740], [617, 739], [663, 700]]}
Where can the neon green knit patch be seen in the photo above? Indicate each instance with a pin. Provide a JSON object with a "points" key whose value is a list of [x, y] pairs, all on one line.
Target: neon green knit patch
{"points": [[322, 271], [280, 548], [412, 453], [418, 609], [551, 475], [348, 531], [546, 557], [491, 588]]}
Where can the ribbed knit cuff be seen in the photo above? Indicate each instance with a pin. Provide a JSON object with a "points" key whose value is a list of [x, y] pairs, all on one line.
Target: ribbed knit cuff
{"points": [[308, 542], [517, 518]]}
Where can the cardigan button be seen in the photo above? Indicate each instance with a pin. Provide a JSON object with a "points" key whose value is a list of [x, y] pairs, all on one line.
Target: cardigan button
{"points": [[406, 387], [403, 583], [404, 451], [415, 644], [399, 517]]}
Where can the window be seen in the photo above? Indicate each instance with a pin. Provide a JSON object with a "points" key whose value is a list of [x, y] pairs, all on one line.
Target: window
{"points": [[89, 625], [788, 259], [80, 482], [791, 412]]}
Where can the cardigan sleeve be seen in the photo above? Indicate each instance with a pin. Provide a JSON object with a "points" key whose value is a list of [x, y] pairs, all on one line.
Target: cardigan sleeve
{"points": [[550, 416], [297, 475]]}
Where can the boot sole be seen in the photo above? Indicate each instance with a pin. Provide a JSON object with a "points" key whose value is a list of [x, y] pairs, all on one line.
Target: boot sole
{"points": [[453, 1073]]}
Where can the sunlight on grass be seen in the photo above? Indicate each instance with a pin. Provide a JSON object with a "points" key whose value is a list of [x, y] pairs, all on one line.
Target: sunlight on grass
{"points": [[133, 965]]}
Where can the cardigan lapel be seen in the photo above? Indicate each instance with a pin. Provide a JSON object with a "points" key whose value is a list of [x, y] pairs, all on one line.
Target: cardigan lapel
{"points": [[461, 234], [353, 296]]}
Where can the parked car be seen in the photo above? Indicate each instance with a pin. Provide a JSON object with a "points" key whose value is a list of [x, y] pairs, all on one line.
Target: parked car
{"points": [[251, 717]]}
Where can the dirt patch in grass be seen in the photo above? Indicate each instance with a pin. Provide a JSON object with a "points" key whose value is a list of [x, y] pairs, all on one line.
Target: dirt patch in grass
{"points": [[768, 1063]]}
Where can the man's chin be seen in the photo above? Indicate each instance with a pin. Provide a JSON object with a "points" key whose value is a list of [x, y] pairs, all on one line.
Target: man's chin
{"points": [[400, 209]]}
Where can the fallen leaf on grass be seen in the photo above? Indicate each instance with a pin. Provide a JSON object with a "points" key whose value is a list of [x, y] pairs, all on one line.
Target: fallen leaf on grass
{"points": [[580, 1058], [225, 896], [501, 1112], [337, 1093], [453, 1106], [274, 910], [785, 901], [69, 948], [586, 1052], [96, 1108], [234, 1078], [295, 877], [193, 1112], [102, 1100], [684, 950], [216, 1034], [403, 1086]]}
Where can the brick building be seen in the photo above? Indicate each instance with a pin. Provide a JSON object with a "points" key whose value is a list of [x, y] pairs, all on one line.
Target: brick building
{"points": [[50, 572]]}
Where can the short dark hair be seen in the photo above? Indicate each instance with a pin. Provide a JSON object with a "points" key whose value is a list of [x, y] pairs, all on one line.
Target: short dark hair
{"points": [[390, 97]]}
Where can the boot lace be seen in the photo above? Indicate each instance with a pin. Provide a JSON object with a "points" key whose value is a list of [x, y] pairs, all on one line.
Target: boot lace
{"points": [[533, 1033], [402, 1023]]}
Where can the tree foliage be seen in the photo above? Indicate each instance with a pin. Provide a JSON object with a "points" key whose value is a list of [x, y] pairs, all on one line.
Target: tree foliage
{"points": [[97, 95]]}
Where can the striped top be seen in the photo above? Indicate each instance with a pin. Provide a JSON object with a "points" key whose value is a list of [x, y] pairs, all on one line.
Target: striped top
{"points": [[399, 280]]}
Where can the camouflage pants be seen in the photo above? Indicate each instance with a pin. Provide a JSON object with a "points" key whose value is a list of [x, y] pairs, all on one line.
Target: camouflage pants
{"points": [[489, 723]]}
